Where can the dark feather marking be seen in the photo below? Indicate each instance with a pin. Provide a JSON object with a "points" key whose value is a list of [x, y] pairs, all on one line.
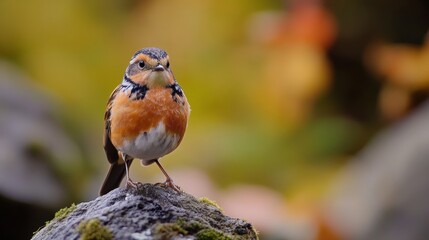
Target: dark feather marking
{"points": [[138, 92], [176, 90]]}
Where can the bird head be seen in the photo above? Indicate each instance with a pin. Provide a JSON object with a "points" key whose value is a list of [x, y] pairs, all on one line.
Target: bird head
{"points": [[150, 67]]}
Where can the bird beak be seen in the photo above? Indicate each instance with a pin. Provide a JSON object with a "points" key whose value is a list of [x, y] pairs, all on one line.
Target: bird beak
{"points": [[159, 68]]}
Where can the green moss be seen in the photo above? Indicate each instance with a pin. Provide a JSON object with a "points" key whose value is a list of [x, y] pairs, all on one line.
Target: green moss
{"points": [[211, 234], [63, 212], [59, 215], [201, 231], [182, 227], [168, 230], [191, 227], [93, 229], [210, 202]]}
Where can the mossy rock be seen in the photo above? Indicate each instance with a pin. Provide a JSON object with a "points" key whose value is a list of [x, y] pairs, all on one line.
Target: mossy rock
{"points": [[148, 212], [60, 214], [93, 229]]}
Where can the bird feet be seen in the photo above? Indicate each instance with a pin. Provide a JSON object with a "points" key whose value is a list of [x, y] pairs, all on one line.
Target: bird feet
{"points": [[131, 184], [170, 184]]}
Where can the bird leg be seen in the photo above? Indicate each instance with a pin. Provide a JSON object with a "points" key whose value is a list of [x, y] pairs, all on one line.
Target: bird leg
{"points": [[168, 182], [129, 183]]}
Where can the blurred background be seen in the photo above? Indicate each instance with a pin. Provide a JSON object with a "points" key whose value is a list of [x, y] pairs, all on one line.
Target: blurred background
{"points": [[309, 117]]}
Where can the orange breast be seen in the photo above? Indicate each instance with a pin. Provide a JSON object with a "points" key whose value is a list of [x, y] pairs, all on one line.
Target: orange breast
{"points": [[129, 117]]}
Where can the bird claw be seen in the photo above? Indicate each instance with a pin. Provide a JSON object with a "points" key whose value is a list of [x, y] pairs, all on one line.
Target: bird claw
{"points": [[131, 184], [170, 184]]}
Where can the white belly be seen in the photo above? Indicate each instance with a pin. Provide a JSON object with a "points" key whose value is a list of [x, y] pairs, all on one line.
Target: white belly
{"points": [[151, 145]]}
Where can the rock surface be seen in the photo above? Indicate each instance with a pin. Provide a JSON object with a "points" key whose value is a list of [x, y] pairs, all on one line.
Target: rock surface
{"points": [[383, 193], [148, 212]]}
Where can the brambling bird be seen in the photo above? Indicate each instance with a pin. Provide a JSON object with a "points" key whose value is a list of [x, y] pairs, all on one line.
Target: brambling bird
{"points": [[146, 117]]}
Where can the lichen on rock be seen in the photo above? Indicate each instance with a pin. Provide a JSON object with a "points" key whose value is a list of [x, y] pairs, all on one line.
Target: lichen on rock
{"points": [[148, 212]]}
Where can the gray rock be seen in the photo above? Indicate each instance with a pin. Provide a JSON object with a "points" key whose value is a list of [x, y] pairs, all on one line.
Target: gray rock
{"points": [[34, 147], [148, 212], [384, 193]]}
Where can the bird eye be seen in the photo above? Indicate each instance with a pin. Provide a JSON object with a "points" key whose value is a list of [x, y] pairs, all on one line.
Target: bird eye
{"points": [[141, 64], [168, 64]]}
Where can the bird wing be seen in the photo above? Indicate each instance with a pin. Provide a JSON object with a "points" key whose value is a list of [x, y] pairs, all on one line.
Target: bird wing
{"points": [[109, 148], [117, 168]]}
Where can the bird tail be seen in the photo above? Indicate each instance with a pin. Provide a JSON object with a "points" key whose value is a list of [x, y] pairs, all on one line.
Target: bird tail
{"points": [[114, 177]]}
